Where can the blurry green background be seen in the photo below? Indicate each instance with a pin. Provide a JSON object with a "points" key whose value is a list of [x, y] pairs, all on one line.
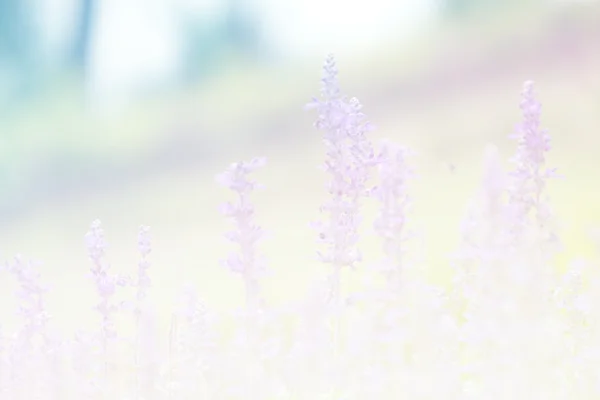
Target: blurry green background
{"points": [[124, 110]]}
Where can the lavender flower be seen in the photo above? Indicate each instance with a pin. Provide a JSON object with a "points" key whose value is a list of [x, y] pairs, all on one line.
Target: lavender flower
{"points": [[106, 283], [247, 262], [144, 248], [509, 314], [390, 224], [349, 159], [529, 176], [145, 328], [95, 242], [24, 355], [31, 296]]}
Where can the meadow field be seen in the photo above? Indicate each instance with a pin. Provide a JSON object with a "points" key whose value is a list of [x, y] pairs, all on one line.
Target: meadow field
{"points": [[446, 98]]}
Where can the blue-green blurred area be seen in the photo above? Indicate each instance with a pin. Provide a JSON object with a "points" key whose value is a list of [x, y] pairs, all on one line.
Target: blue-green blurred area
{"points": [[124, 110], [93, 90]]}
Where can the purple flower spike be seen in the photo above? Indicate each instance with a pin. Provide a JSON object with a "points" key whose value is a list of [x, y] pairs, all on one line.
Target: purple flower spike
{"points": [[349, 159], [530, 175], [246, 235]]}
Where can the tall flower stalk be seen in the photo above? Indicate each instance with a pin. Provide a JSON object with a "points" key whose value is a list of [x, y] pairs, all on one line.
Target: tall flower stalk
{"points": [[25, 357], [392, 194], [106, 286], [504, 276], [247, 262], [349, 158], [349, 161], [529, 177], [141, 313], [531, 239]]}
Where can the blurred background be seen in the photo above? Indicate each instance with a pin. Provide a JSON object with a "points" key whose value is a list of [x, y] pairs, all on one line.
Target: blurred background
{"points": [[124, 110]]}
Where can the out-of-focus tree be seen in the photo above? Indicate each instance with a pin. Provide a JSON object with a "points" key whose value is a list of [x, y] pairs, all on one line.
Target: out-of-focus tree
{"points": [[241, 27], [202, 49], [207, 42], [17, 49], [82, 36]]}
